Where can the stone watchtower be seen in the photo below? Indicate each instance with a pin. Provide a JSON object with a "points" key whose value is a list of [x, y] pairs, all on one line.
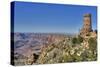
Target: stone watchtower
{"points": [[87, 25]]}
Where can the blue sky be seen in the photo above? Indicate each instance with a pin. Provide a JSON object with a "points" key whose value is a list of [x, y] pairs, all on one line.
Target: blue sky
{"points": [[51, 18]]}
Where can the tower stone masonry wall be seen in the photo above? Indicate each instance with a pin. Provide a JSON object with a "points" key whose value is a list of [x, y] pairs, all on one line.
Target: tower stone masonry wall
{"points": [[87, 25]]}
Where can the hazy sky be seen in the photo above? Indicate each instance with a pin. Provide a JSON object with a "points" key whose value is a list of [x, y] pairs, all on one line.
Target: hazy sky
{"points": [[42, 17]]}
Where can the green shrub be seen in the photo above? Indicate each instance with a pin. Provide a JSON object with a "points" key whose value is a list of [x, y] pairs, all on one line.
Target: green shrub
{"points": [[92, 44], [80, 39], [74, 40], [77, 40]]}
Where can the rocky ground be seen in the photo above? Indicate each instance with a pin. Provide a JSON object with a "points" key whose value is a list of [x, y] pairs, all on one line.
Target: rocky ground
{"points": [[65, 52], [59, 49]]}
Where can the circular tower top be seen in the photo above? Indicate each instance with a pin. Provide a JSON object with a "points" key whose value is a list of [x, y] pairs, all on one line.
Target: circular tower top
{"points": [[87, 15]]}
